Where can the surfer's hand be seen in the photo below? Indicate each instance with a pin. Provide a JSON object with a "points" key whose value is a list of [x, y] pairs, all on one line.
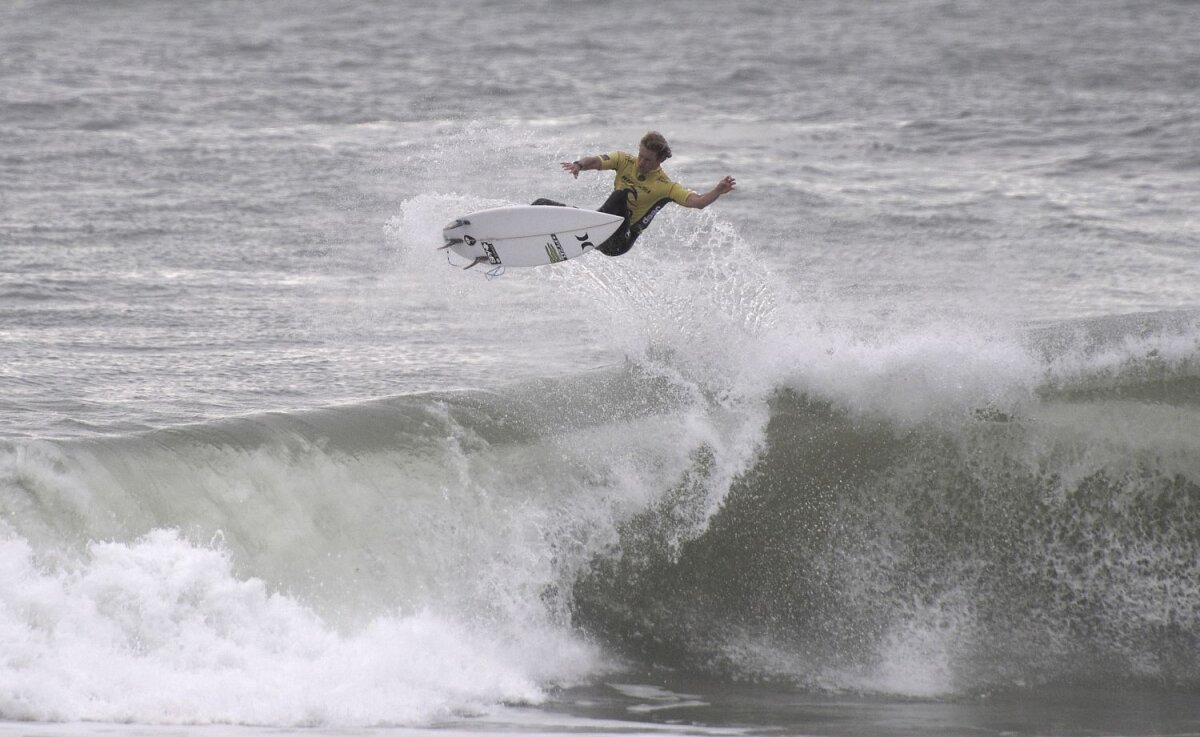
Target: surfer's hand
{"points": [[572, 167], [726, 185]]}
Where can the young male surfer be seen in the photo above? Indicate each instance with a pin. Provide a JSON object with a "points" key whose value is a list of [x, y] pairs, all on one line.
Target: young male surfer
{"points": [[640, 189]]}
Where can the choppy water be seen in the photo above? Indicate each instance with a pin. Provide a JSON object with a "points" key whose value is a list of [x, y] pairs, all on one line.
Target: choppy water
{"points": [[900, 438]]}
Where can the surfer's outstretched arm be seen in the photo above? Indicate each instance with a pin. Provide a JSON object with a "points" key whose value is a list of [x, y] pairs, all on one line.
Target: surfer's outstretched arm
{"points": [[587, 162], [701, 201]]}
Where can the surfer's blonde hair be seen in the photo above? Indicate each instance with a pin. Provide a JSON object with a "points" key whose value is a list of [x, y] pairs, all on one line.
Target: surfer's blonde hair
{"points": [[657, 143]]}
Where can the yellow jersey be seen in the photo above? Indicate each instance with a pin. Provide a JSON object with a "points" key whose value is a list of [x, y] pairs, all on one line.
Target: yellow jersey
{"points": [[645, 194]]}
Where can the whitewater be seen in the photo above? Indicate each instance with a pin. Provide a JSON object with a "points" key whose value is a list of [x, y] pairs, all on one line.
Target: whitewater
{"points": [[900, 438]]}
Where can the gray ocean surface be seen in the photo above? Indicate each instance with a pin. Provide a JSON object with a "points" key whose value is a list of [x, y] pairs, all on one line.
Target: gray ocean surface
{"points": [[900, 438]]}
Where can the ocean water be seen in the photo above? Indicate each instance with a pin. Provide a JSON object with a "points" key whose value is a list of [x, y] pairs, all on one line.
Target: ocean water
{"points": [[900, 438]]}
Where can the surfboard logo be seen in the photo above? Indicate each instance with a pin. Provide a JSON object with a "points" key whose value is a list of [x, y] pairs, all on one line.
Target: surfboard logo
{"points": [[468, 240], [490, 250], [555, 252], [584, 241]]}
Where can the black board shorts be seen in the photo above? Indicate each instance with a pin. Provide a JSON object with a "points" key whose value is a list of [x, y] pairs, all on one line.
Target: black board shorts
{"points": [[617, 204]]}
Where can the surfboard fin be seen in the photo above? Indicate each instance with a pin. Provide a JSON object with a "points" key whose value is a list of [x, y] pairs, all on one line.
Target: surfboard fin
{"points": [[450, 242], [478, 260]]}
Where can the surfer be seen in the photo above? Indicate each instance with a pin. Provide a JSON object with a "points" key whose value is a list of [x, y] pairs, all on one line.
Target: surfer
{"points": [[640, 189]]}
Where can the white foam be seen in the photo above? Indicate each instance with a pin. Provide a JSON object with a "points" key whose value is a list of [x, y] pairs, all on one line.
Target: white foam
{"points": [[916, 659], [160, 631]]}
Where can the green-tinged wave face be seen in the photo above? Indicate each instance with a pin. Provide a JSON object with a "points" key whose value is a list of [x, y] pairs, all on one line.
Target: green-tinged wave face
{"points": [[1060, 546]]}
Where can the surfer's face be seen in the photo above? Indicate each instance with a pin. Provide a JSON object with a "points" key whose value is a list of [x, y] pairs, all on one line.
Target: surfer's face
{"points": [[648, 161]]}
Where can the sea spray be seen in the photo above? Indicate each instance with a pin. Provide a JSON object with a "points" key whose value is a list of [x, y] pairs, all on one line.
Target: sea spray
{"points": [[1049, 543]]}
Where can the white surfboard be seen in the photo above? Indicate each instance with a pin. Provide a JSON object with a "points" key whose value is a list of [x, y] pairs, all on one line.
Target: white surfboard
{"points": [[528, 235]]}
